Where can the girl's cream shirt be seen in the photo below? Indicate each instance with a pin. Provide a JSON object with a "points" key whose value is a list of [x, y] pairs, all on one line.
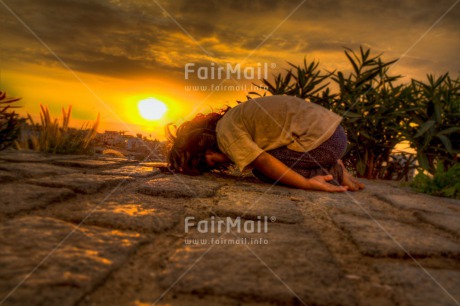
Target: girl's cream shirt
{"points": [[267, 123]]}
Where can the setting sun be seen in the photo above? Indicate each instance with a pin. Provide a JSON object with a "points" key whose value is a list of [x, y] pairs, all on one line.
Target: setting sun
{"points": [[152, 109]]}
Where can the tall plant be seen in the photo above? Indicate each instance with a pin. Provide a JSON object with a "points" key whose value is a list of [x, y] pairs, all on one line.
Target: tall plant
{"points": [[304, 82], [379, 112], [369, 101], [433, 125], [48, 136], [373, 107], [9, 121]]}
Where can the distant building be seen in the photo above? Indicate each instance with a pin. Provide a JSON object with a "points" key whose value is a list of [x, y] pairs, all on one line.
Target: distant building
{"points": [[111, 138], [130, 145], [135, 143]]}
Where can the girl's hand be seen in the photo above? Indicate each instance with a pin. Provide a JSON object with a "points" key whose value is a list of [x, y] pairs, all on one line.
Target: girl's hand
{"points": [[320, 182], [275, 169]]}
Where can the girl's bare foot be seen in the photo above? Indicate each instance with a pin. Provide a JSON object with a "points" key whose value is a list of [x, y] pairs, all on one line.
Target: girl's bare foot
{"points": [[349, 180]]}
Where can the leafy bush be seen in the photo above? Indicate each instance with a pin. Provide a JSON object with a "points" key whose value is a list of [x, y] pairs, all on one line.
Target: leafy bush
{"points": [[379, 112], [49, 137], [442, 183], [372, 107], [306, 82], [432, 125], [9, 121]]}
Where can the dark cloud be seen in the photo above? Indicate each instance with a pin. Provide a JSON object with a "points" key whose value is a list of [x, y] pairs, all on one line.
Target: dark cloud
{"points": [[129, 38]]}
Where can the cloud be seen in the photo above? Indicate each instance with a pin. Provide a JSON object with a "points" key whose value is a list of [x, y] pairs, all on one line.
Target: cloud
{"points": [[133, 38]]}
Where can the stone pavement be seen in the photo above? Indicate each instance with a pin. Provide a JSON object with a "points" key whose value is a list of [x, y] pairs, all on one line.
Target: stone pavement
{"points": [[78, 230]]}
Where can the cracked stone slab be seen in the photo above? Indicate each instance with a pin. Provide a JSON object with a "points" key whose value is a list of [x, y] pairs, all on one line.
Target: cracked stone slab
{"points": [[6, 177], [86, 163], [80, 182], [449, 223], [33, 170], [140, 217], [34, 157], [154, 164], [133, 171], [421, 202], [69, 270], [17, 157], [251, 205], [180, 186], [356, 203], [414, 286], [372, 240], [384, 186], [122, 160], [362, 204], [265, 188], [20, 197], [301, 264]]}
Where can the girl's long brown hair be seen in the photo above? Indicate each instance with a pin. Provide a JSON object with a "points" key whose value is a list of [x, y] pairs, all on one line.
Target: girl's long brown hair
{"points": [[187, 148]]}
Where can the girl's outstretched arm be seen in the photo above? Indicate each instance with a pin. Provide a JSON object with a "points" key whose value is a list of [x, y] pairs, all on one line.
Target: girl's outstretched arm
{"points": [[277, 170]]}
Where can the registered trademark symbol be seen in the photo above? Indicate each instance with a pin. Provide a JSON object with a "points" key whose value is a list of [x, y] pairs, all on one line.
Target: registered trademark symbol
{"points": [[273, 65], [273, 218]]}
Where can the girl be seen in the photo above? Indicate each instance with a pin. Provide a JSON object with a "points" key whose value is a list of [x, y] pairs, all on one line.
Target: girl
{"points": [[283, 139]]}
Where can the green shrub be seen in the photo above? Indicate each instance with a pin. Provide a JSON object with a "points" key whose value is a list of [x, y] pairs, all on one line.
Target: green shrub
{"points": [[380, 112], [371, 105], [50, 137], [442, 183], [432, 125], [305, 82], [9, 121]]}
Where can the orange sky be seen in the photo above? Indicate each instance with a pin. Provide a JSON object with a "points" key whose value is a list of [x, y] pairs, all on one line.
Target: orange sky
{"points": [[105, 56]]}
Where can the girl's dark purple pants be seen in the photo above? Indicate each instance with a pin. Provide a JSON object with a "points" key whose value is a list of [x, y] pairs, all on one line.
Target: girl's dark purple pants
{"points": [[320, 161]]}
